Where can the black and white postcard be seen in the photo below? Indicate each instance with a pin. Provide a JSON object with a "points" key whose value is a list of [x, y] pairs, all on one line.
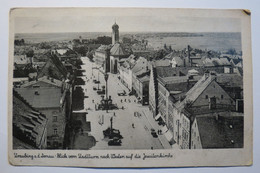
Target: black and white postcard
{"points": [[130, 87]]}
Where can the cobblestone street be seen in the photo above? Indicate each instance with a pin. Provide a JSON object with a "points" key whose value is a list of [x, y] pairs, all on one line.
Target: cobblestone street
{"points": [[136, 130]]}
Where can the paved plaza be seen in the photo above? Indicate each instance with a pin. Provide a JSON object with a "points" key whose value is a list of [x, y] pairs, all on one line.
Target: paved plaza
{"points": [[136, 130]]}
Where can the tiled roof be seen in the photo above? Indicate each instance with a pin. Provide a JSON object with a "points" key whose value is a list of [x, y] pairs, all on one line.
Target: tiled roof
{"points": [[27, 120], [45, 79], [230, 80], [103, 48], [196, 90], [224, 132], [21, 59], [118, 50], [41, 97], [58, 71], [145, 78], [162, 63], [216, 62], [141, 63]]}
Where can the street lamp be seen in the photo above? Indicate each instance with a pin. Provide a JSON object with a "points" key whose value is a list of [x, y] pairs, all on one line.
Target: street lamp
{"points": [[106, 78], [98, 79]]}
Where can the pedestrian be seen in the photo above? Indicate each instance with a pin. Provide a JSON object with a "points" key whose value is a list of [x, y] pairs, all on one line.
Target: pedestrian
{"points": [[92, 101], [133, 125], [151, 148], [158, 132]]}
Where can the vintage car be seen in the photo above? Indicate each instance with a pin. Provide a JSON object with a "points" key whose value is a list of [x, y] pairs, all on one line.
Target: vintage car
{"points": [[153, 133], [121, 93], [115, 141], [112, 134]]}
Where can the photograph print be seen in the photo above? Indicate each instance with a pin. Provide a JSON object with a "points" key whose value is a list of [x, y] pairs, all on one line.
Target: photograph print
{"points": [[127, 79]]}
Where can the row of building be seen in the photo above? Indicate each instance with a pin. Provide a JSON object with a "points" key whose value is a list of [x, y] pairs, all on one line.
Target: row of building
{"points": [[42, 106], [196, 97]]}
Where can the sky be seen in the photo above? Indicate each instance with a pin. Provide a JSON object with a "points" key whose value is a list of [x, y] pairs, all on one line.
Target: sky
{"points": [[129, 20]]}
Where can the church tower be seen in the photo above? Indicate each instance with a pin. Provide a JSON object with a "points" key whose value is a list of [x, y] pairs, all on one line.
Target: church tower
{"points": [[115, 34]]}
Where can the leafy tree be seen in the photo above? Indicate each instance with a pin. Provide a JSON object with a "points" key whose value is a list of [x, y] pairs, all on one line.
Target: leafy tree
{"points": [[30, 53], [232, 51]]}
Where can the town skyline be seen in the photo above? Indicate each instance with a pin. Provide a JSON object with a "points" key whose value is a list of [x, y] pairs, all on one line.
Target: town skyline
{"points": [[140, 21]]}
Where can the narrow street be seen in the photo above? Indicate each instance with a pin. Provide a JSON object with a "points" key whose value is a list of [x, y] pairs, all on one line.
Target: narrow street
{"points": [[136, 130]]}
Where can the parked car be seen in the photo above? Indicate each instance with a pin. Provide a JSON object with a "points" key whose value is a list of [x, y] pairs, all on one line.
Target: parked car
{"points": [[94, 88], [153, 133], [115, 133], [101, 92], [121, 93], [115, 141]]}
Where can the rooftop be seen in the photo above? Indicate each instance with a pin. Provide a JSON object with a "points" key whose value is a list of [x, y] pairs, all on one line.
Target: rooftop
{"points": [[41, 97], [225, 131], [44, 79], [26, 120], [118, 50], [21, 59]]}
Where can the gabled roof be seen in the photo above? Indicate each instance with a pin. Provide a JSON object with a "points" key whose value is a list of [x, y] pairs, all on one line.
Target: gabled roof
{"points": [[44, 79], [103, 48], [196, 90], [53, 68], [209, 62], [118, 50], [141, 63], [224, 132], [236, 61]]}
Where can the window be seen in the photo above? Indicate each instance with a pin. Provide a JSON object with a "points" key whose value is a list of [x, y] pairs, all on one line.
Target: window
{"points": [[55, 118], [213, 103], [198, 138], [222, 96], [207, 97], [55, 131]]}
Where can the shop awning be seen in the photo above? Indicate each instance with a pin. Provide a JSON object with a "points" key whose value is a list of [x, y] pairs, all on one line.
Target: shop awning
{"points": [[158, 116], [164, 129], [168, 135]]}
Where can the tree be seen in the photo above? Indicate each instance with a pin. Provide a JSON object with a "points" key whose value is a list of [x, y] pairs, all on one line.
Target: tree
{"points": [[232, 51], [30, 53]]}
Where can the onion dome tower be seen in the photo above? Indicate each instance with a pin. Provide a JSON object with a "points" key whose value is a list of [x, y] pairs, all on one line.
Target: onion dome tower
{"points": [[115, 34]]}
